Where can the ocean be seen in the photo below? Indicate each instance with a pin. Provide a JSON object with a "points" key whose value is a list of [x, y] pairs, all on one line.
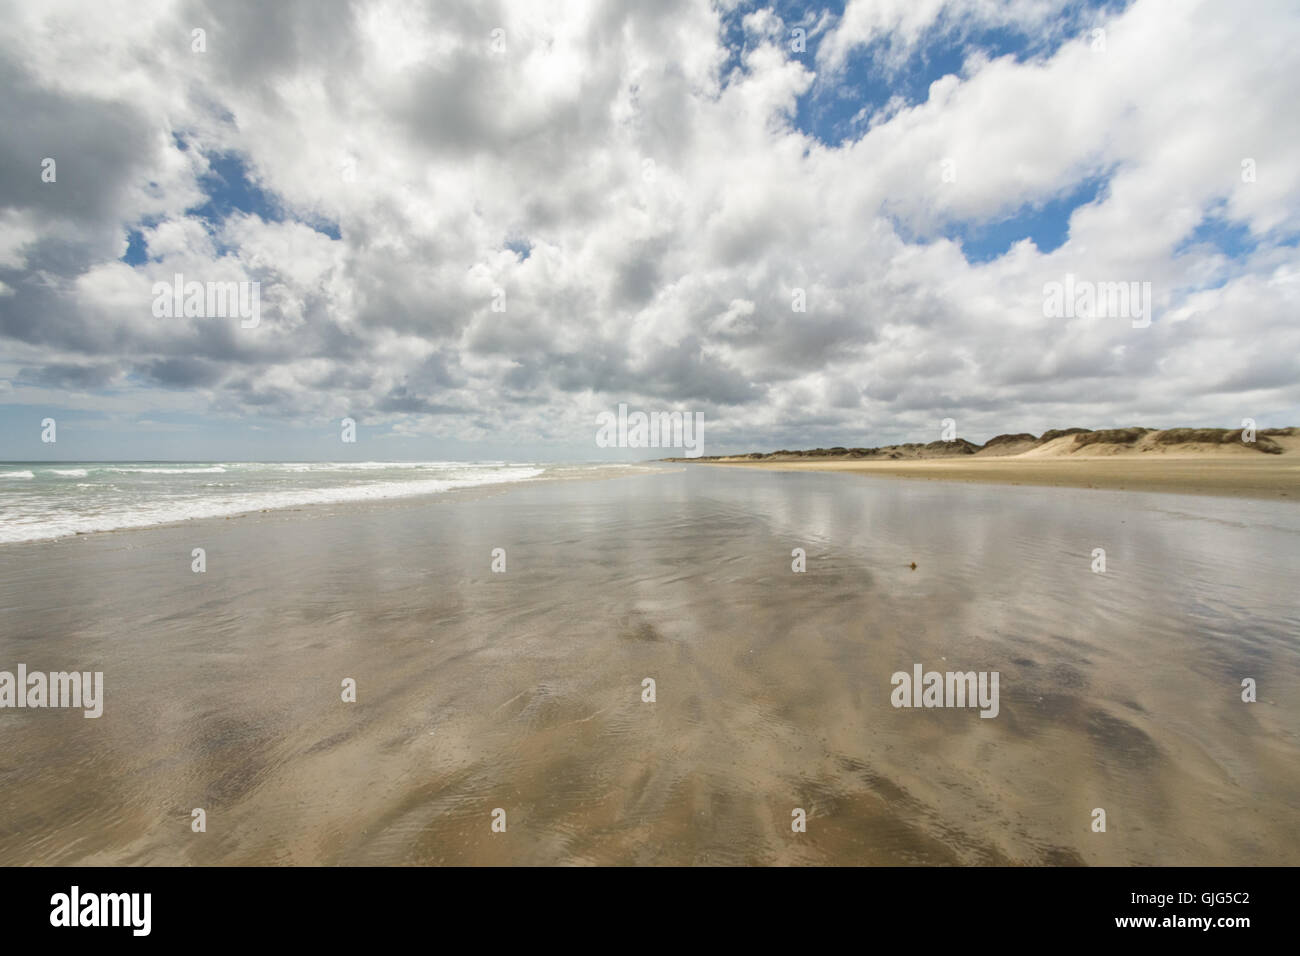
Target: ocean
{"points": [[43, 500]]}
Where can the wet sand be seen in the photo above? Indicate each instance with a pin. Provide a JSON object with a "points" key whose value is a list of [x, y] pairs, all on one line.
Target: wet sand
{"points": [[522, 690], [1252, 475]]}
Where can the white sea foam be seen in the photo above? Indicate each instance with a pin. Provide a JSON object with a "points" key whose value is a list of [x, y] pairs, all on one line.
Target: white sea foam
{"points": [[130, 495], [214, 470]]}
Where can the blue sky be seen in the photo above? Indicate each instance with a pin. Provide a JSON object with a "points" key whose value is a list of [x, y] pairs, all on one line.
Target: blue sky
{"points": [[833, 110], [392, 186]]}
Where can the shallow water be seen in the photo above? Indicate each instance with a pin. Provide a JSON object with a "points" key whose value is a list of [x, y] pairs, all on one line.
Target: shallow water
{"points": [[523, 690], [46, 500]]}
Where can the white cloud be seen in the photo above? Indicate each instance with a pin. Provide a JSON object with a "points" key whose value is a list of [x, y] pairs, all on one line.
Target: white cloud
{"points": [[671, 210]]}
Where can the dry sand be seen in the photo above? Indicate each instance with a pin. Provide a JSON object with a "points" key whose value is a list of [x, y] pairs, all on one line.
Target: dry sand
{"points": [[1185, 468]]}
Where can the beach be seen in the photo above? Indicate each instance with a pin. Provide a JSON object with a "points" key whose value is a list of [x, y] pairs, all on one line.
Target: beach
{"points": [[1257, 476], [523, 690], [1187, 461]]}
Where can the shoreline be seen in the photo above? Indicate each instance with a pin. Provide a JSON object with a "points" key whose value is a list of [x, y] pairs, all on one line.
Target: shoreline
{"points": [[315, 509], [1268, 478]]}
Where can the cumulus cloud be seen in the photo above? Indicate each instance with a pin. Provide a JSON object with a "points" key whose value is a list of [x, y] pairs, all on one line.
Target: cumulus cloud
{"points": [[508, 216]]}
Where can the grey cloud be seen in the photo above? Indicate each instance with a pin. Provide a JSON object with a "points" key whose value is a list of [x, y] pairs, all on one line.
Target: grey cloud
{"points": [[400, 400], [98, 148], [180, 372], [684, 372], [251, 43], [71, 376]]}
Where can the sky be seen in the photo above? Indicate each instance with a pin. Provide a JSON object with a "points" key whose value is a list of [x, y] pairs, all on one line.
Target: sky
{"points": [[475, 226]]}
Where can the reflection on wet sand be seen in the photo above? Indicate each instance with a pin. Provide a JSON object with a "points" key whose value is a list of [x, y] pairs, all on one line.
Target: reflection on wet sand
{"points": [[523, 690]]}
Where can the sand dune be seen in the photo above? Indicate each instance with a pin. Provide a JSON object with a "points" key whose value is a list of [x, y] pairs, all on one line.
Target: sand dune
{"points": [[1181, 460]]}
